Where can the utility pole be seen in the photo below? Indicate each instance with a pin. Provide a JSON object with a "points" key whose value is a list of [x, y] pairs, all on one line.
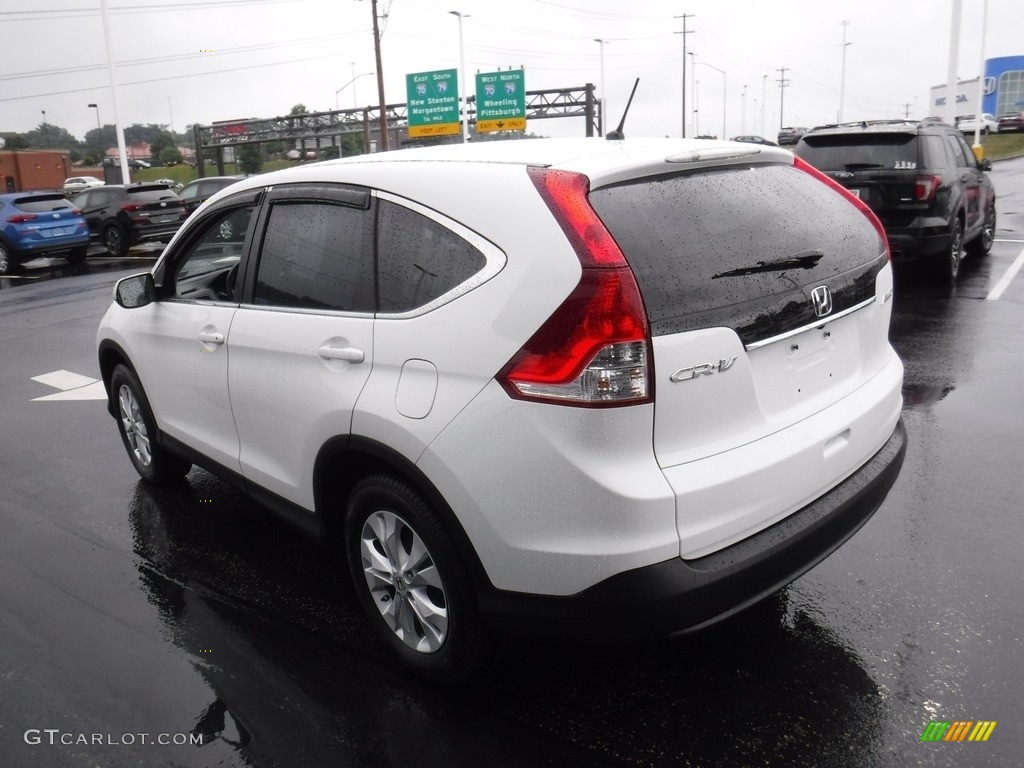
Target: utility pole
{"points": [[380, 81], [684, 33], [906, 111], [842, 76], [783, 84]]}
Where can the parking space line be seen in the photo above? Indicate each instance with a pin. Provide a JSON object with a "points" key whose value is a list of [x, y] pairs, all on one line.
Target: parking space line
{"points": [[1003, 284]]}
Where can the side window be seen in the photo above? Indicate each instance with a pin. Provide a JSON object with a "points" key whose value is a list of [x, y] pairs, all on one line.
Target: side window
{"points": [[970, 161], [189, 191], [208, 270], [954, 143], [418, 259], [317, 255]]}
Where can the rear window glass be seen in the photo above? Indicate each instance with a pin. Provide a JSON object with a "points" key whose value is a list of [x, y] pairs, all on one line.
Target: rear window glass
{"points": [[42, 203], [740, 248], [890, 151], [151, 194]]}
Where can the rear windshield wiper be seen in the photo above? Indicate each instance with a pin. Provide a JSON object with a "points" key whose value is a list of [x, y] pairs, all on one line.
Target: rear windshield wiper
{"points": [[862, 166], [803, 260]]}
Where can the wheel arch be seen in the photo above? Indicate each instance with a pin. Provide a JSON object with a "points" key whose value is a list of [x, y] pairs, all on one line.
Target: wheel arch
{"points": [[110, 356], [345, 460]]}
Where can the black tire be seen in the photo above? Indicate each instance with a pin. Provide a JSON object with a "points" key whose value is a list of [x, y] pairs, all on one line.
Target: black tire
{"points": [[138, 431], [948, 263], [6, 259], [982, 244], [115, 241], [427, 614], [77, 256]]}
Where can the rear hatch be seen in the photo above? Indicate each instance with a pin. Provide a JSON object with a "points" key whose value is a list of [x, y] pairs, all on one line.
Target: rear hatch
{"points": [[731, 264], [49, 219], [881, 169], [153, 205]]}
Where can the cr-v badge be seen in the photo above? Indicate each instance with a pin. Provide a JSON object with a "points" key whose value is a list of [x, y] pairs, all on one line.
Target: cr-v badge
{"points": [[821, 298], [685, 374]]}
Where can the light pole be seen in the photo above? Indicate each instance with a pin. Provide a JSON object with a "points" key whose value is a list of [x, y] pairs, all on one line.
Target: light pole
{"points": [[99, 132], [693, 87], [723, 91], [979, 153], [764, 98], [842, 75], [604, 101], [46, 135], [346, 85], [462, 76]]}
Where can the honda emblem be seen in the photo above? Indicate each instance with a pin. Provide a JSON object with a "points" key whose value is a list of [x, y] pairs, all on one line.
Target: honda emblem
{"points": [[821, 298]]}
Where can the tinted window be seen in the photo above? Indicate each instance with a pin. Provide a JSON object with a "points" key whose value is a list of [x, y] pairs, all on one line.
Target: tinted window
{"points": [[317, 256], [42, 204], [190, 190], [853, 152], [934, 152], [419, 259], [699, 245], [150, 194]]}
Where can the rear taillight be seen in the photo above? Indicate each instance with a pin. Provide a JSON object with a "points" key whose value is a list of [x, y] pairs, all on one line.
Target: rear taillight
{"points": [[130, 207], [925, 188], [21, 218], [594, 350], [806, 167]]}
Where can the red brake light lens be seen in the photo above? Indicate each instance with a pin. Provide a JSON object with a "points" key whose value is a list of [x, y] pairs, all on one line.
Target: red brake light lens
{"points": [[21, 218], [925, 187], [594, 349], [809, 169]]}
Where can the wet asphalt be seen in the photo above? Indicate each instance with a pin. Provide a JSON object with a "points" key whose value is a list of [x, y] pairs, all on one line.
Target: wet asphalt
{"points": [[131, 615]]}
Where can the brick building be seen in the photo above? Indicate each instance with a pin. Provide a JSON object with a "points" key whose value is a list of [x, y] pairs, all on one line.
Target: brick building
{"points": [[25, 170]]}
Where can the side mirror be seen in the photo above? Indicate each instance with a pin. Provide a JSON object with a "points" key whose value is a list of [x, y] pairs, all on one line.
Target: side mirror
{"points": [[986, 164], [135, 291]]}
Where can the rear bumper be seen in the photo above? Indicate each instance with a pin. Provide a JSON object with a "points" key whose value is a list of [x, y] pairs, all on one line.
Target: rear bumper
{"points": [[683, 595]]}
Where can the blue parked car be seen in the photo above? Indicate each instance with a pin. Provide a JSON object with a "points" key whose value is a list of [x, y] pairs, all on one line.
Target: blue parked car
{"points": [[35, 224]]}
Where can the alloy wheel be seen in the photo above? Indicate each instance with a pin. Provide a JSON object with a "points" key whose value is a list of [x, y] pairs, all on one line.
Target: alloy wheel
{"points": [[134, 425], [404, 582]]}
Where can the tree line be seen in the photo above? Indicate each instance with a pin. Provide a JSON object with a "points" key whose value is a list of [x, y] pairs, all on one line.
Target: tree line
{"points": [[92, 149]]}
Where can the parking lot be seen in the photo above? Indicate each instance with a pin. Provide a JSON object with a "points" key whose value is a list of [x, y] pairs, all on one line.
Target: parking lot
{"points": [[136, 622]]}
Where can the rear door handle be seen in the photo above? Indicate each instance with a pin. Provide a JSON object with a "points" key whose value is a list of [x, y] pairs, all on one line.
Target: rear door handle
{"points": [[211, 337], [349, 354]]}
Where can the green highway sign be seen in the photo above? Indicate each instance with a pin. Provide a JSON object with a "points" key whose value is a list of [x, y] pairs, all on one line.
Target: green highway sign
{"points": [[501, 101], [433, 103]]}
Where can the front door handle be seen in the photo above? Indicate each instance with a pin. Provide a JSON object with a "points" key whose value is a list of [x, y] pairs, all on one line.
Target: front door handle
{"points": [[349, 354], [211, 337]]}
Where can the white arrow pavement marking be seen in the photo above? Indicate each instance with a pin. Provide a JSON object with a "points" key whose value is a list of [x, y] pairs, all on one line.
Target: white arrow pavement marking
{"points": [[73, 386]]}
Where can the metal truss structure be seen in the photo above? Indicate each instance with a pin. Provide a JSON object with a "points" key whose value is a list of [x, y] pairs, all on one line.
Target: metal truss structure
{"points": [[322, 128]]}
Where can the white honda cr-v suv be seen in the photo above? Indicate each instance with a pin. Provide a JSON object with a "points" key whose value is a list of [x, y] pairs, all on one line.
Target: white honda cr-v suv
{"points": [[589, 387]]}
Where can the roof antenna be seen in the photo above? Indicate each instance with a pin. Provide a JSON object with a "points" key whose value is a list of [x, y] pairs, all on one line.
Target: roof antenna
{"points": [[617, 134]]}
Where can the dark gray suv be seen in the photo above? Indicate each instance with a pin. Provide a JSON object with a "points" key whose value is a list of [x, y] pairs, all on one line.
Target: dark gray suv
{"points": [[922, 180]]}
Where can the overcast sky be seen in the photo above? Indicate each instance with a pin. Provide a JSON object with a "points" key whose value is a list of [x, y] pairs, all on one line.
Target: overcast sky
{"points": [[197, 61]]}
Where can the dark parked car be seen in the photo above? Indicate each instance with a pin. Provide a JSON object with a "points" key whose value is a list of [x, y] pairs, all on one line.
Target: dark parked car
{"points": [[196, 192], [755, 140], [35, 224], [790, 135], [121, 217], [1011, 121], [933, 197]]}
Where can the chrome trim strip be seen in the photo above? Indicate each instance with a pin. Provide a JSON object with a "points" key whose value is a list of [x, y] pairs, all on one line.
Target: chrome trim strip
{"points": [[818, 324]]}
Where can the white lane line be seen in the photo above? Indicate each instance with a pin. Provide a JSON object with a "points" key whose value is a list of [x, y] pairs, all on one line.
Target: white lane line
{"points": [[63, 379], [1003, 284], [73, 386]]}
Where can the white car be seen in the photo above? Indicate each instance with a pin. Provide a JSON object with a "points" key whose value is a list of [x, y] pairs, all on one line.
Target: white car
{"points": [[76, 184], [968, 124], [570, 386]]}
